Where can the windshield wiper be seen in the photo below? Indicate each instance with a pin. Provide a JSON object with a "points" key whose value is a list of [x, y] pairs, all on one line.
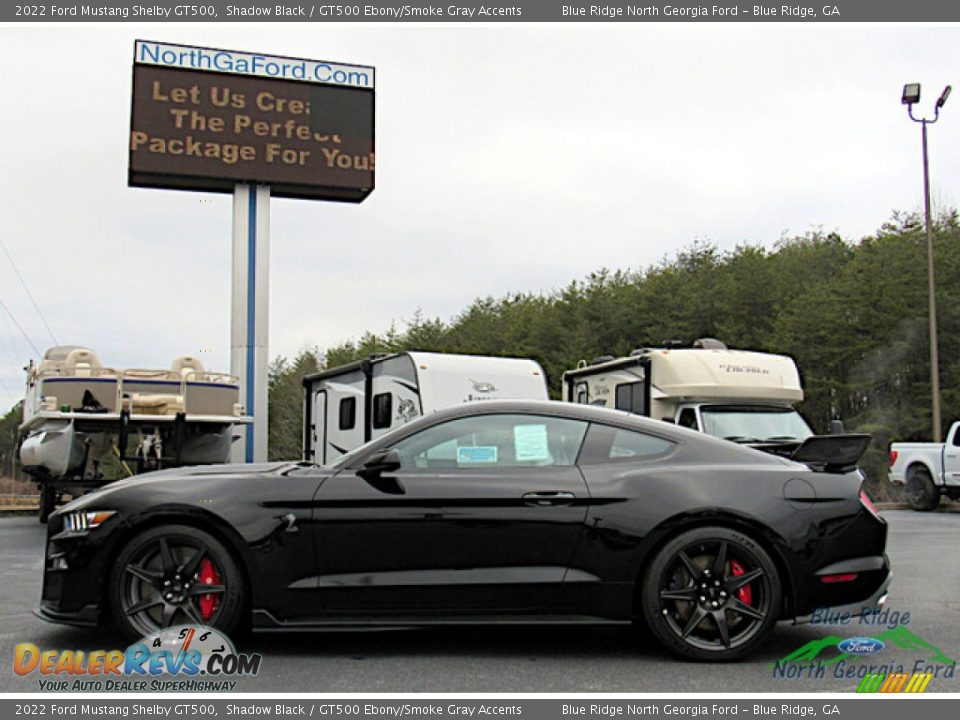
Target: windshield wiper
{"points": [[741, 439]]}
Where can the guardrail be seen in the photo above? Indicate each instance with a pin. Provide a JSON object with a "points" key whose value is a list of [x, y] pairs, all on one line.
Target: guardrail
{"points": [[9, 500]]}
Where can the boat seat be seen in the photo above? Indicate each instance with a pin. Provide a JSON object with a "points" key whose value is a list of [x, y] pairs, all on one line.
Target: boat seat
{"points": [[187, 365], [82, 362], [156, 404]]}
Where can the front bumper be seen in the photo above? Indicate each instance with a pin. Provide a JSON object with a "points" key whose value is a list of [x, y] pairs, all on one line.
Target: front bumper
{"points": [[86, 616], [75, 568]]}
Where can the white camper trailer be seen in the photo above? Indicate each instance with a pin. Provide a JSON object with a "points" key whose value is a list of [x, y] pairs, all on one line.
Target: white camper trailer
{"points": [[349, 405], [734, 394]]}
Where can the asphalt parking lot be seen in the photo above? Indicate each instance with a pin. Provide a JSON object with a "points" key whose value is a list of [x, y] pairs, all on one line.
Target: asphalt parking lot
{"points": [[922, 549]]}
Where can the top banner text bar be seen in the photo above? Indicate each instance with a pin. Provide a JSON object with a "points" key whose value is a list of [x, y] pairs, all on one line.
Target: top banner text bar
{"points": [[804, 11]]}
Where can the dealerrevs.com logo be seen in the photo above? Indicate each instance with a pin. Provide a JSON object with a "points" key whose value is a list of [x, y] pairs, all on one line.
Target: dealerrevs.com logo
{"points": [[179, 659]]}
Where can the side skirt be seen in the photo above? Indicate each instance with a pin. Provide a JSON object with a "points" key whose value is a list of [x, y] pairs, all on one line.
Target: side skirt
{"points": [[264, 621]]}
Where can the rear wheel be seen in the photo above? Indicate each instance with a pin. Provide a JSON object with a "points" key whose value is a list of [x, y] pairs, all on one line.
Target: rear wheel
{"points": [[922, 494], [175, 575], [711, 594]]}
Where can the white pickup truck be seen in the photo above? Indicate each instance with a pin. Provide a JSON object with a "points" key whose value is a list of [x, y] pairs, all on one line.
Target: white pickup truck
{"points": [[929, 470]]}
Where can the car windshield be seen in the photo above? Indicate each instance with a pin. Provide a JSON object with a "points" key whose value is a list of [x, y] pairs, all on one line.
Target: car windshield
{"points": [[754, 423]]}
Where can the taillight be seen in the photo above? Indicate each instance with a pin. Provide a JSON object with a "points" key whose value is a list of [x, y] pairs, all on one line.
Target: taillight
{"points": [[893, 457], [868, 503]]}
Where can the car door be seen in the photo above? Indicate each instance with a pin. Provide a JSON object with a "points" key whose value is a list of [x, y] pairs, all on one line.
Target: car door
{"points": [[951, 458], [482, 516]]}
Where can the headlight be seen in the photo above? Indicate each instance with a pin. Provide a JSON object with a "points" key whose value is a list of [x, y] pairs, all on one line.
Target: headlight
{"points": [[85, 520]]}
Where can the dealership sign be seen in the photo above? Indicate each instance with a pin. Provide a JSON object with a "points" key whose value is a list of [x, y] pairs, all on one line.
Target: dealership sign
{"points": [[205, 119], [243, 63]]}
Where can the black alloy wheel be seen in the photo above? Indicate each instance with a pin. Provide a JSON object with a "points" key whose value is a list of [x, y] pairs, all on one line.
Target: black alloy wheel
{"points": [[711, 594], [922, 494], [175, 575]]}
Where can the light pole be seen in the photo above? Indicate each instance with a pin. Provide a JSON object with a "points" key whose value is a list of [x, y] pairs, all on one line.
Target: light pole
{"points": [[911, 95]]}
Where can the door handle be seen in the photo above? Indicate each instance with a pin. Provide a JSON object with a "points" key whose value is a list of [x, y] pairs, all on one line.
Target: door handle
{"points": [[549, 499]]}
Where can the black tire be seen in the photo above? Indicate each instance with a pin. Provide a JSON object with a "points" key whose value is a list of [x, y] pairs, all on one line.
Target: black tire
{"points": [[155, 583], [696, 602], [48, 501], [922, 494]]}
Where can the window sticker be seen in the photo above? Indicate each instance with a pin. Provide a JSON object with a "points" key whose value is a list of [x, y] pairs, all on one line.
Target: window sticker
{"points": [[531, 443], [481, 454]]}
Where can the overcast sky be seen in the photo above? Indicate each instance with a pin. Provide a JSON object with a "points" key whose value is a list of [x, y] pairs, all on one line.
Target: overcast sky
{"points": [[509, 158]]}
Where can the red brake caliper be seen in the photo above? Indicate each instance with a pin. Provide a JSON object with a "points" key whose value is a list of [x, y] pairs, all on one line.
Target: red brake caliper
{"points": [[208, 576], [744, 594]]}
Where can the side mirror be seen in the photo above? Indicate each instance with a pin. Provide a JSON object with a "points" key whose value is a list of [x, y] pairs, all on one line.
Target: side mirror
{"points": [[379, 463]]}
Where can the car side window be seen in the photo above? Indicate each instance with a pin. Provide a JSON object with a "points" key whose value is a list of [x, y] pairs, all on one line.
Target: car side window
{"points": [[605, 444], [494, 441], [688, 419]]}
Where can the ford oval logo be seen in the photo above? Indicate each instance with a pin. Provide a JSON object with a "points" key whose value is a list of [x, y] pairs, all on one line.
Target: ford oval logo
{"points": [[861, 645]]}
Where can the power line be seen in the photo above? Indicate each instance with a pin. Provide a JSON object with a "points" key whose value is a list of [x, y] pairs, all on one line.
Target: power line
{"points": [[22, 331], [29, 294]]}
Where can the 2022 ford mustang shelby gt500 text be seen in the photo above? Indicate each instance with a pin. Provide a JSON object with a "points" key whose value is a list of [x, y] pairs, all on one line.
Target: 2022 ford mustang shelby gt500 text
{"points": [[489, 512]]}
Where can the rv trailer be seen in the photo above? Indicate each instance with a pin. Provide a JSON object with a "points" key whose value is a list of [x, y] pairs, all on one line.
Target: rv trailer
{"points": [[346, 406], [739, 395]]}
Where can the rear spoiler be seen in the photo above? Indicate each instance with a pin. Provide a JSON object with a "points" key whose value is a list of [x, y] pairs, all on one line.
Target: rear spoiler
{"points": [[832, 453]]}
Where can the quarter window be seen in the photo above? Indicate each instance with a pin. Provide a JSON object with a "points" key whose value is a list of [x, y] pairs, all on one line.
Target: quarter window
{"points": [[494, 441], [607, 444]]}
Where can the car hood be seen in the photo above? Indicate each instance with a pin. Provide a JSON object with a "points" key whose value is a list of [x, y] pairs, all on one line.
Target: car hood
{"points": [[173, 475]]}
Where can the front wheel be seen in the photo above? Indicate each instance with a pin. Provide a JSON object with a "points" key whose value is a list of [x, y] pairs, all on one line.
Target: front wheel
{"points": [[922, 494], [711, 594], [175, 575]]}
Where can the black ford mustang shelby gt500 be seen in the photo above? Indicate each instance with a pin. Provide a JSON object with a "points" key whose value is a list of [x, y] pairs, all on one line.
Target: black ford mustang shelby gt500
{"points": [[488, 512]]}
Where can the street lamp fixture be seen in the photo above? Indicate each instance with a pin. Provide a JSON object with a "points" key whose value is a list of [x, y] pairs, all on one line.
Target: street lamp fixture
{"points": [[911, 95], [943, 97]]}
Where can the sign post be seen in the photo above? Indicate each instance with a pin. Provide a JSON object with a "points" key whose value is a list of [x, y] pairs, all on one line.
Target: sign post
{"points": [[249, 358], [258, 126]]}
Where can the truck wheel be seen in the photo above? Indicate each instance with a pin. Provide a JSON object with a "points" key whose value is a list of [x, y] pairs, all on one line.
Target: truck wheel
{"points": [[48, 501], [922, 494]]}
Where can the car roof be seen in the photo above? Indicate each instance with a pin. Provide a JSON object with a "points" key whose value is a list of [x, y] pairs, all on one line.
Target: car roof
{"points": [[724, 450]]}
